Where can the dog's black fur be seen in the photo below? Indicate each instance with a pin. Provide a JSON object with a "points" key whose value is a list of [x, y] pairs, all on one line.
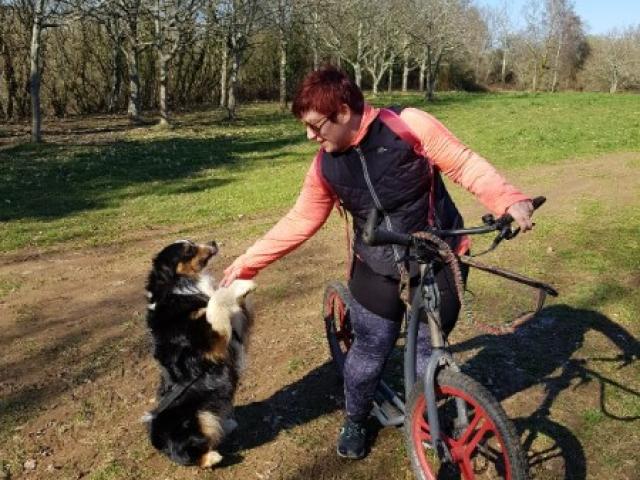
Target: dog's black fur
{"points": [[200, 365]]}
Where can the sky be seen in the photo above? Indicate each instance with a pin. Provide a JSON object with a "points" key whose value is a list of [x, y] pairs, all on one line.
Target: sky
{"points": [[599, 16]]}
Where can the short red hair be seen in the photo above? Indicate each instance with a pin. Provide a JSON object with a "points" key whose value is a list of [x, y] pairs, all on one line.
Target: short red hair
{"points": [[324, 91]]}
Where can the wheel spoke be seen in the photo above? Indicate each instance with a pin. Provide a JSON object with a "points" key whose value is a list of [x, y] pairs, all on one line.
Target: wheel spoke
{"points": [[467, 468], [473, 444], [470, 429], [425, 434]]}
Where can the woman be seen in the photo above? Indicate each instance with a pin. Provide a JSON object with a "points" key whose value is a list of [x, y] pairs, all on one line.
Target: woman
{"points": [[366, 160]]}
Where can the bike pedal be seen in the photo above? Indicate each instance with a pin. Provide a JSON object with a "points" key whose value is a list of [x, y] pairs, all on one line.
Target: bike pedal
{"points": [[386, 407]]}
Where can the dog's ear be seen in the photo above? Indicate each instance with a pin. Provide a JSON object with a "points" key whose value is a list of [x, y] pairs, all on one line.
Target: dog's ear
{"points": [[160, 280], [242, 288]]}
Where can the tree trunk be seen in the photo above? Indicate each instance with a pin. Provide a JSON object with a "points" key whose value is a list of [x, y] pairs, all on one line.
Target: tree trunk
{"points": [[133, 110], [10, 80], [390, 82], [405, 71], [223, 74], [503, 70], [433, 69], [116, 83], [34, 74], [357, 71], [357, 67], [233, 79], [283, 71], [556, 67], [314, 43], [613, 87], [429, 72], [423, 68], [164, 77]]}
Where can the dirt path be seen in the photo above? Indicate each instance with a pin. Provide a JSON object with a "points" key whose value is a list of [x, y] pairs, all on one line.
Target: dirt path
{"points": [[76, 373]]}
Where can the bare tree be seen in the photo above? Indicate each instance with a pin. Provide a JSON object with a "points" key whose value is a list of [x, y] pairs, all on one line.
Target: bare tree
{"points": [[280, 14], [500, 26], [614, 61], [382, 45], [123, 20], [44, 14], [438, 27], [172, 20], [8, 70], [239, 19], [346, 32]]}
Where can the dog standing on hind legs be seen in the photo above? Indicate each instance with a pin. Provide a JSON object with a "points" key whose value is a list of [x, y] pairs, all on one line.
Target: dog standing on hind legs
{"points": [[199, 335]]}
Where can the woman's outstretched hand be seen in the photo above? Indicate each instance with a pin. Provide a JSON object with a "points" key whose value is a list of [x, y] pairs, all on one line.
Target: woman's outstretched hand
{"points": [[230, 274]]}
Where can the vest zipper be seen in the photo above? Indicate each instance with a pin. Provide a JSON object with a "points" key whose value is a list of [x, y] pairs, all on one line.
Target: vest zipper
{"points": [[378, 204]]}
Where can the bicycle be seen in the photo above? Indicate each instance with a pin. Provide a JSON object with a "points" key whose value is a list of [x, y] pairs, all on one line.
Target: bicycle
{"points": [[453, 426]]}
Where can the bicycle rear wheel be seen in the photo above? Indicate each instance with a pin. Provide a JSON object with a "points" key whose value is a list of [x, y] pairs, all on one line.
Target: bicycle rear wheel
{"points": [[335, 312], [486, 448]]}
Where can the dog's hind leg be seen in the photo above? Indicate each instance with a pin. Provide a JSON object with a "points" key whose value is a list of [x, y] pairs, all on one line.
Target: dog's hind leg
{"points": [[210, 459]]}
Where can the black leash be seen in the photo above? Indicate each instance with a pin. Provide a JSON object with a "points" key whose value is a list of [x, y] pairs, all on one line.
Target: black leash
{"points": [[174, 395]]}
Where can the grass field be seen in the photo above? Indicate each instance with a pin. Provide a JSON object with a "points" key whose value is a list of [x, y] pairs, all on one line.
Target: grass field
{"points": [[82, 214], [97, 193]]}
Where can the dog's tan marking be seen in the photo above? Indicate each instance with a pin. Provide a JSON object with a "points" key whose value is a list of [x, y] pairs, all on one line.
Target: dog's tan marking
{"points": [[186, 268], [198, 314], [210, 426], [210, 459], [219, 350]]}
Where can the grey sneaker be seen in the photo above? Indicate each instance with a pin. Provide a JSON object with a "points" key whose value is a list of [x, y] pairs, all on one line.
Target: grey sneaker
{"points": [[352, 440]]}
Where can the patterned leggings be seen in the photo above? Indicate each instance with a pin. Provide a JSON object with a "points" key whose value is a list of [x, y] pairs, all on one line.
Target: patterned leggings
{"points": [[375, 338]]}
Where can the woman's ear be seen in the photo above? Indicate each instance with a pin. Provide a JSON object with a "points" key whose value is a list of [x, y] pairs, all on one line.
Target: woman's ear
{"points": [[344, 114]]}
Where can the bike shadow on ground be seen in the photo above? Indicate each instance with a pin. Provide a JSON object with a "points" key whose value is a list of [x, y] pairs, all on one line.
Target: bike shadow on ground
{"points": [[544, 352]]}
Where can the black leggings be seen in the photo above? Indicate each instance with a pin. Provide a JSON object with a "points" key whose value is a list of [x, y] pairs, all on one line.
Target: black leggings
{"points": [[379, 294]]}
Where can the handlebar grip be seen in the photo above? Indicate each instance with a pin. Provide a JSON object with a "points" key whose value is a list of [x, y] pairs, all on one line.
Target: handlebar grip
{"points": [[538, 202], [374, 236]]}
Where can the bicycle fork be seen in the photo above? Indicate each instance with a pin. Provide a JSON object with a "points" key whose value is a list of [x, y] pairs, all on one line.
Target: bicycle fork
{"points": [[429, 300]]}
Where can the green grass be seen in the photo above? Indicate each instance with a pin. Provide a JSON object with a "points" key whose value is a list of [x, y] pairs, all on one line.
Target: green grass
{"points": [[518, 129], [205, 171]]}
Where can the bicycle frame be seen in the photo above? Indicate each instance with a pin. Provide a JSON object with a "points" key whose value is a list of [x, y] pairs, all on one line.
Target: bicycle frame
{"points": [[427, 299]]}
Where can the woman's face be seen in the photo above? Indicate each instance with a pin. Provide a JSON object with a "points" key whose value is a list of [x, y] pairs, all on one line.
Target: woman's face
{"points": [[332, 135]]}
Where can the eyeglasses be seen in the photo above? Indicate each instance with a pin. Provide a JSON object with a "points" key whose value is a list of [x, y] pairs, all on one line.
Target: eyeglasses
{"points": [[318, 127]]}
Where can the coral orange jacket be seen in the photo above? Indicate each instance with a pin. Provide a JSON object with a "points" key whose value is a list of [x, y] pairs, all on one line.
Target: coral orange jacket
{"points": [[316, 200]]}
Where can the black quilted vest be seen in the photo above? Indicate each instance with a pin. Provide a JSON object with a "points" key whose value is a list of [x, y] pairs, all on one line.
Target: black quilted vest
{"points": [[402, 181]]}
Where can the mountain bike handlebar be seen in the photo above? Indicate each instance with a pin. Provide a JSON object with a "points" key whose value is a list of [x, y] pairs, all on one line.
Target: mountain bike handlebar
{"points": [[374, 236]]}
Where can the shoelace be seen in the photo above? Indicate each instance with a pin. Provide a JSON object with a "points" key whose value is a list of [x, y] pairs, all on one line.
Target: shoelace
{"points": [[352, 429]]}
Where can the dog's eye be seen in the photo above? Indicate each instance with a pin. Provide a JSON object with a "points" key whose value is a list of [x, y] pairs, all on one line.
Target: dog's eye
{"points": [[190, 251]]}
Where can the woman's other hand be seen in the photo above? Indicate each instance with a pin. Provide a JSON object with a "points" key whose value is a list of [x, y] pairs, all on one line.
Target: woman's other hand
{"points": [[521, 213]]}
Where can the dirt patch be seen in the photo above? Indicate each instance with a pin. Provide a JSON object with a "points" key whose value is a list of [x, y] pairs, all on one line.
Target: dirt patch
{"points": [[76, 373]]}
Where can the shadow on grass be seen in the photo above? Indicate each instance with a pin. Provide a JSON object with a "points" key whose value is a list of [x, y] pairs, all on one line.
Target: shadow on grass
{"points": [[508, 364], [52, 181]]}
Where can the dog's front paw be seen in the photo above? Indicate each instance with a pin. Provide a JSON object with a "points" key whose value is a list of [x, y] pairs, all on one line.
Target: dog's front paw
{"points": [[242, 288]]}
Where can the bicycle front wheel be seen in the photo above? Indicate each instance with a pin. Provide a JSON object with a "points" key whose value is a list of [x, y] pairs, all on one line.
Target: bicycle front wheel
{"points": [[486, 446]]}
